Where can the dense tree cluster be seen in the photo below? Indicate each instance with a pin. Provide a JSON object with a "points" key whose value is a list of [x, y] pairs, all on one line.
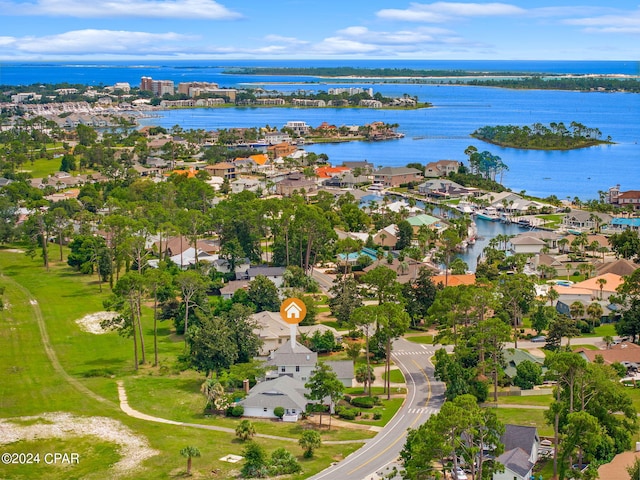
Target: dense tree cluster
{"points": [[538, 136]]}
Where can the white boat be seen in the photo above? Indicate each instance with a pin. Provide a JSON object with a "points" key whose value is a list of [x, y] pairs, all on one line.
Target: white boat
{"points": [[489, 213]]}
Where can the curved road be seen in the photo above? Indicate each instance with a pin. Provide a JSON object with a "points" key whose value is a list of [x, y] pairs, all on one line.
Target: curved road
{"points": [[424, 397]]}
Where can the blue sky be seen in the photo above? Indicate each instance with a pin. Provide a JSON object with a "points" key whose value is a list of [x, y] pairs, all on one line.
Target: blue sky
{"points": [[295, 29]]}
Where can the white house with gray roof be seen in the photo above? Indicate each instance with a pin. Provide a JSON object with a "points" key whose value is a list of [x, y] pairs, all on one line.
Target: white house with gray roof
{"points": [[285, 392], [521, 446]]}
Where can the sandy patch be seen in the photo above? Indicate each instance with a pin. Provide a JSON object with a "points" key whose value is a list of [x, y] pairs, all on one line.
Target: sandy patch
{"points": [[91, 323], [13, 250], [134, 449]]}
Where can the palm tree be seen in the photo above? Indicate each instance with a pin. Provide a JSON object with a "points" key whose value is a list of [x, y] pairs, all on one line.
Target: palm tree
{"points": [[552, 295], [245, 430], [608, 341], [189, 452], [576, 309], [594, 311], [601, 283]]}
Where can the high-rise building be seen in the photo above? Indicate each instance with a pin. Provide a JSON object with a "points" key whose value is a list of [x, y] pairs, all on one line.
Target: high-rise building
{"points": [[161, 87], [145, 83]]}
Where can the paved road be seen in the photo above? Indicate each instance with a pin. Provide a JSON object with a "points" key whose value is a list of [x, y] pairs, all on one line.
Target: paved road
{"points": [[325, 281], [425, 395]]}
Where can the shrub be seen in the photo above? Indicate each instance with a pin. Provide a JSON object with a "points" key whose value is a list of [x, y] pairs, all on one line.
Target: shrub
{"points": [[283, 463], [347, 413], [237, 411], [255, 464], [377, 415], [363, 402], [279, 412]]}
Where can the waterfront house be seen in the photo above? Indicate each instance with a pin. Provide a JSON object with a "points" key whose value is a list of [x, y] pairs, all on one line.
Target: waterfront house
{"points": [[441, 168], [629, 199], [364, 166], [443, 188], [621, 224], [582, 221], [396, 176]]}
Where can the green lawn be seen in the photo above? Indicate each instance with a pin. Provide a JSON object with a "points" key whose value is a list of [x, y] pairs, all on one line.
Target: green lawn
{"points": [[84, 384], [395, 376], [525, 417], [586, 347], [602, 331], [374, 391], [427, 339], [388, 409], [538, 400]]}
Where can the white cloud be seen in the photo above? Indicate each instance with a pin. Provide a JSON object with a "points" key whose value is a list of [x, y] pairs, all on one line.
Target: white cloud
{"points": [[190, 9], [284, 40], [629, 23], [440, 12], [100, 41]]}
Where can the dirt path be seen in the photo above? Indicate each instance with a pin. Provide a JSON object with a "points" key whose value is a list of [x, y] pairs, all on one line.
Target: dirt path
{"points": [[126, 408], [48, 348], [124, 404]]}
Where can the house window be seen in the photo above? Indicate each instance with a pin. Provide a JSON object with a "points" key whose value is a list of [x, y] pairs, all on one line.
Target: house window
{"points": [[293, 410], [283, 369], [304, 379], [264, 409], [297, 368]]}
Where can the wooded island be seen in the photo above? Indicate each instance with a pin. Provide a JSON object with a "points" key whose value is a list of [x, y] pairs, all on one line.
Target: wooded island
{"points": [[540, 137]]}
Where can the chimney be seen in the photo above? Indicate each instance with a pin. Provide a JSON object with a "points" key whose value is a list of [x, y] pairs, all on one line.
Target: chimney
{"points": [[245, 385]]}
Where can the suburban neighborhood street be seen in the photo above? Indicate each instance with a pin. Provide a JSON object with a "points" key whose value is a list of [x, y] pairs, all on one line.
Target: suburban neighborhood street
{"points": [[425, 395]]}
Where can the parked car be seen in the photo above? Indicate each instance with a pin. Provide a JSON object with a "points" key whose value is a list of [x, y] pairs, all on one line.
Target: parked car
{"points": [[458, 474], [539, 339]]}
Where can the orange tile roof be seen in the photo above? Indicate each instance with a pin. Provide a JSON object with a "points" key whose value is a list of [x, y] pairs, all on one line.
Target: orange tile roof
{"points": [[613, 282], [455, 280], [260, 159], [326, 172], [623, 352], [189, 173]]}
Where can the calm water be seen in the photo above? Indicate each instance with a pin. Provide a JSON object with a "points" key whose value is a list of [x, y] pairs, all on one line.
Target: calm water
{"points": [[443, 132], [107, 73], [431, 134]]}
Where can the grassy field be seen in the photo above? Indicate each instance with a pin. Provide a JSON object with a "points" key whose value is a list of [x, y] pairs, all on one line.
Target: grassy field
{"points": [[538, 400], [525, 417], [79, 377]]}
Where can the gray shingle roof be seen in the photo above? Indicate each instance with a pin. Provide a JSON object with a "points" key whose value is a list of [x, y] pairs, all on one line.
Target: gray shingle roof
{"points": [[342, 368], [288, 356], [283, 392], [516, 460], [519, 436]]}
